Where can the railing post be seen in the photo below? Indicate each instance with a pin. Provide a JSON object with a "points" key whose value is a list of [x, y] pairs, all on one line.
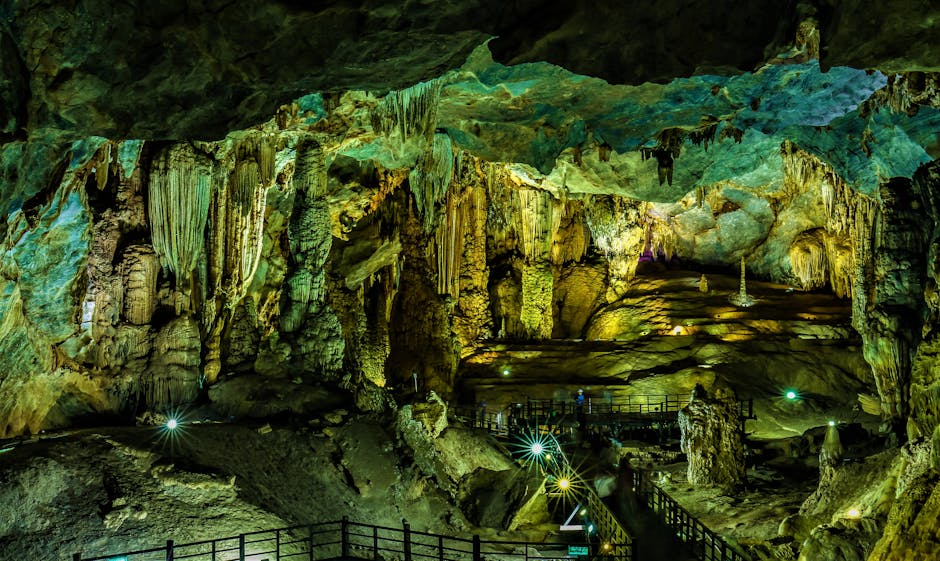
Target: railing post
{"points": [[76, 557], [241, 547], [310, 543], [406, 541], [277, 545], [375, 543], [440, 548], [476, 548], [169, 550], [213, 549], [344, 537]]}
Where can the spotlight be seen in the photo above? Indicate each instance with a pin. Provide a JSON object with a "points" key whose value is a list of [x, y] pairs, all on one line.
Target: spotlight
{"points": [[505, 372], [853, 513], [535, 450], [606, 547], [583, 511], [590, 528], [564, 484], [677, 330], [832, 423], [791, 395], [172, 424]]}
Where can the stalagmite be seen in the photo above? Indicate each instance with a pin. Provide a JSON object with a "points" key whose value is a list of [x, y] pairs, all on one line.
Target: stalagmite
{"points": [[139, 268], [830, 455], [536, 219], [711, 438], [173, 377], [742, 298]]}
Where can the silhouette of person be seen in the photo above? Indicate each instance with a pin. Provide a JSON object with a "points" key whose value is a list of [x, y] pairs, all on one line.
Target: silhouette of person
{"points": [[579, 409]]}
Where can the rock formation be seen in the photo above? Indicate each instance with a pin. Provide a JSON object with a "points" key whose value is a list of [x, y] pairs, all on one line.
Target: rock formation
{"points": [[273, 210], [711, 439]]}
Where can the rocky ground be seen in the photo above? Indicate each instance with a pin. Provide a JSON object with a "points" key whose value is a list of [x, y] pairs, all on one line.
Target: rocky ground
{"points": [[115, 489]]}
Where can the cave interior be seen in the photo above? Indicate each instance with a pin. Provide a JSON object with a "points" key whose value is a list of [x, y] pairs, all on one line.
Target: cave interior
{"points": [[477, 270]]}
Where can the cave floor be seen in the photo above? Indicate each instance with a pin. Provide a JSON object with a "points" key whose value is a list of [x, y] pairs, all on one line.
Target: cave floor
{"points": [[665, 335], [750, 514]]}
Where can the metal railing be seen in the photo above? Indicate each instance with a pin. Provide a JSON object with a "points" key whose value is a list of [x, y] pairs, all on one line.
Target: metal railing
{"points": [[345, 539], [704, 543], [608, 526], [551, 412], [496, 422]]}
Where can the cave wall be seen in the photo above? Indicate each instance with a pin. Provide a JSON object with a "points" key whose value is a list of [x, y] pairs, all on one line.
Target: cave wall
{"points": [[293, 251]]}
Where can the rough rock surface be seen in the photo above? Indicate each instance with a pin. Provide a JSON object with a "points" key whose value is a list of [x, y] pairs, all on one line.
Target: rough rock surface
{"points": [[268, 206], [130, 488], [711, 440]]}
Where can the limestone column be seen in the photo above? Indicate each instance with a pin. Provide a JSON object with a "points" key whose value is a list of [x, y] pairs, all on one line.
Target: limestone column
{"points": [[711, 439]]}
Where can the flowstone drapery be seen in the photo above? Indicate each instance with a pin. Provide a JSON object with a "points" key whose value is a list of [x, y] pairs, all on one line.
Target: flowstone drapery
{"points": [[617, 230], [180, 191]]}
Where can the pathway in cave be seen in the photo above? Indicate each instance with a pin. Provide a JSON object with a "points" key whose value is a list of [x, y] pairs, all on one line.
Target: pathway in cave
{"points": [[653, 541]]}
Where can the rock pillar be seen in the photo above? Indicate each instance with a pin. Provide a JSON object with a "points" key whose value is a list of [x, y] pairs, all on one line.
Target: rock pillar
{"points": [[711, 439]]}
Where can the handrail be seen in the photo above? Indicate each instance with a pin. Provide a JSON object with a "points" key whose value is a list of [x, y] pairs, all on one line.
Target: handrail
{"points": [[345, 539], [608, 526], [703, 542], [657, 408]]}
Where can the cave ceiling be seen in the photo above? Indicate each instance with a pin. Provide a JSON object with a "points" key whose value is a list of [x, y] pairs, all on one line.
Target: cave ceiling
{"points": [[762, 130], [542, 85]]}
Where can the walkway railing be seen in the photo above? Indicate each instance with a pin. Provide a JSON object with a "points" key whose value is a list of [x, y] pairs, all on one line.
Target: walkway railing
{"points": [[651, 408], [345, 539], [609, 527], [704, 543]]}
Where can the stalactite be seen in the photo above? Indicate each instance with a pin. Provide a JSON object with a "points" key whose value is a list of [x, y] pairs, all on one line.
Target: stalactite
{"points": [[102, 165], [669, 146], [411, 111], [614, 225], [571, 238], [535, 220], [430, 179], [618, 231], [449, 246], [499, 211], [840, 260], [808, 259], [180, 190], [850, 217], [661, 237]]}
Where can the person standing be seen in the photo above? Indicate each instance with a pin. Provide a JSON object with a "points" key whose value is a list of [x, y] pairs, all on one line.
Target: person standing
{"points": [[579, 410]]}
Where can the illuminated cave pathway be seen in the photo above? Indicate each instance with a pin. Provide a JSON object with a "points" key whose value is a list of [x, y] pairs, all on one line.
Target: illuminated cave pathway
{"points": [[653, 540], [583, 470]]}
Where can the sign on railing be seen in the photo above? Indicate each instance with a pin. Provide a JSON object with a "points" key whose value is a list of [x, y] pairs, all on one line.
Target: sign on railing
{"points": [[345, 539]]}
